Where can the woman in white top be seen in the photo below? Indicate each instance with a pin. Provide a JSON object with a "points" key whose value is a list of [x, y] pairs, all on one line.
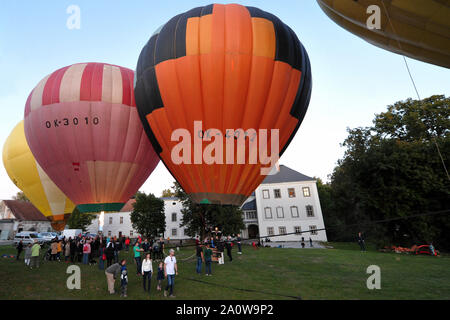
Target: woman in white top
{"points": [[147, 270]]}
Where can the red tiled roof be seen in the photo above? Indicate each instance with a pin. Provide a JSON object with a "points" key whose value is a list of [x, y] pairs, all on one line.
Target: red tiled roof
{"points": [[24, 210], [128, 207]]}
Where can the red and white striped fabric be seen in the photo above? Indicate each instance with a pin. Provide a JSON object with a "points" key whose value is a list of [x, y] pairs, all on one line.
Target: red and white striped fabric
{"points": [[84, 82]]}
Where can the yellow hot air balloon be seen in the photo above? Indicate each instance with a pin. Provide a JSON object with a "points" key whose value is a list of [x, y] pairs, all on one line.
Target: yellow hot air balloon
{"points": [[418, 29], [29, 177]]}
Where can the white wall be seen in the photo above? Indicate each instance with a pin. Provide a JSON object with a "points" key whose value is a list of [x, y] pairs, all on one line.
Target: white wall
{"points": [[117, 225], [285, 202]]}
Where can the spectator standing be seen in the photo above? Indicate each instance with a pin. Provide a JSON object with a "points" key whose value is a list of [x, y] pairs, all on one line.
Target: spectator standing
{"points": [[28, 255], [200, 258], [67, 250], [228, 245], [35, 251], [361, 242], [86, 252], [208, 260], [147, 270], [127, 243], [238, 241], [170, 270], [19, 249], [160, 276], [123, 280], [137, 257]]}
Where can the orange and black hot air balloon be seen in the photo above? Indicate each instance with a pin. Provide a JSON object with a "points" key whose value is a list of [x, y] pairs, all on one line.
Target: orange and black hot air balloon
{"points": [[230, 67]]}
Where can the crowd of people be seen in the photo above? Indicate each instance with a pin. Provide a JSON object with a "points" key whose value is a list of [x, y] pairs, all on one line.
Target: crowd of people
{"points": [[104, 251]]}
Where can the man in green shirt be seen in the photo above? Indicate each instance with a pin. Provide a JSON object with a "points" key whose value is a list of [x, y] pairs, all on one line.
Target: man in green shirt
{"points": [[137, 257], [208, 259], [35, 250]]}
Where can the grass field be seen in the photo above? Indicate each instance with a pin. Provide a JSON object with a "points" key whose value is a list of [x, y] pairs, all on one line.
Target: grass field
{"points": [[338, 273]]}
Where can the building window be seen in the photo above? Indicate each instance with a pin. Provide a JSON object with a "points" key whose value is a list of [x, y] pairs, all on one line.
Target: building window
{"points": [[313, 230], [174, 232], [121, 220], [277, 193], [291, 192], [306, 192], [174, 217], [309, 211], [270, 231], [298, 230], [268, 212], [282, 230], [110, 220], [294, 212], [266, 194], [109, 233], [131, 233], [250, 215], [280, 212]]}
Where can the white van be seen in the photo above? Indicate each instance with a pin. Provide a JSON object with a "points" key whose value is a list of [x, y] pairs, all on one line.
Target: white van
{"points": [[28, 237], [71, 233]]}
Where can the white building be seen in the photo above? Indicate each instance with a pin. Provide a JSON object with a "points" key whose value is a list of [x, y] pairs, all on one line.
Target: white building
{"points": [[17, 216], [119, 223], [285, 203]]}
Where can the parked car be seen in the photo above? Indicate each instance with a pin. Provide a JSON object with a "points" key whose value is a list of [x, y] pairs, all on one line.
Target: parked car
{"points": [[27, 237], [47, 236]]}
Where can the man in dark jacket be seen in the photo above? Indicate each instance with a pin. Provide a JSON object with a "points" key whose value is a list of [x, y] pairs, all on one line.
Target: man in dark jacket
{"points": [[228, 246], [19, 249], [112, 272], [361, 243]]}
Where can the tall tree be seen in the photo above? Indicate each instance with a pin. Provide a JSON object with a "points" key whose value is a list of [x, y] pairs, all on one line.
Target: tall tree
{"points": [[80, 220], [167, 193], [21, 196], [200, 219], [148, 216], [393, 170]]}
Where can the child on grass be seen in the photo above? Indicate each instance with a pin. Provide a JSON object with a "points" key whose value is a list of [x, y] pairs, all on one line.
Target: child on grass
{"points": [[124, 281], [160, 277]]}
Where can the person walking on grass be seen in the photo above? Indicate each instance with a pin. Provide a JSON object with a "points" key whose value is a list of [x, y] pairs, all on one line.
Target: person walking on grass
{"points": [[137, 257], [127, 244], [170, 270], [208, 259], [28, 255], [310, 242], [19, 249], [112, 273], [147, 270], [35, 251], [200, 258]]}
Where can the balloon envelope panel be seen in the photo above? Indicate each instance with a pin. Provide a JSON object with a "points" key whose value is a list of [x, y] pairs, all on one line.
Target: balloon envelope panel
{"points": [[415, 28], [83, 128], [230, 67], [29, 177]]}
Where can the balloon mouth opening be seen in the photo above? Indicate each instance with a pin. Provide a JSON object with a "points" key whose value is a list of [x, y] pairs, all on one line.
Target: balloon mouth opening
{"points": [[99, 207]]}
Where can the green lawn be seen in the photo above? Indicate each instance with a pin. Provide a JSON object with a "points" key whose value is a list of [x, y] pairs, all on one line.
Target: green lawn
{"points": [[338, 273]]}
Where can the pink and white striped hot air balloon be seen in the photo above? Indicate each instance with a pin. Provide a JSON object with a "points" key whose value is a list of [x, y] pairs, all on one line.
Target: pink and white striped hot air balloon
{"points": [[83, 128]]}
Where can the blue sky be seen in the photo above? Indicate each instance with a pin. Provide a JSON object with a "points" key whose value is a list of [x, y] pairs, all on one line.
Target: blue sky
{"points": [[352, 80]]}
